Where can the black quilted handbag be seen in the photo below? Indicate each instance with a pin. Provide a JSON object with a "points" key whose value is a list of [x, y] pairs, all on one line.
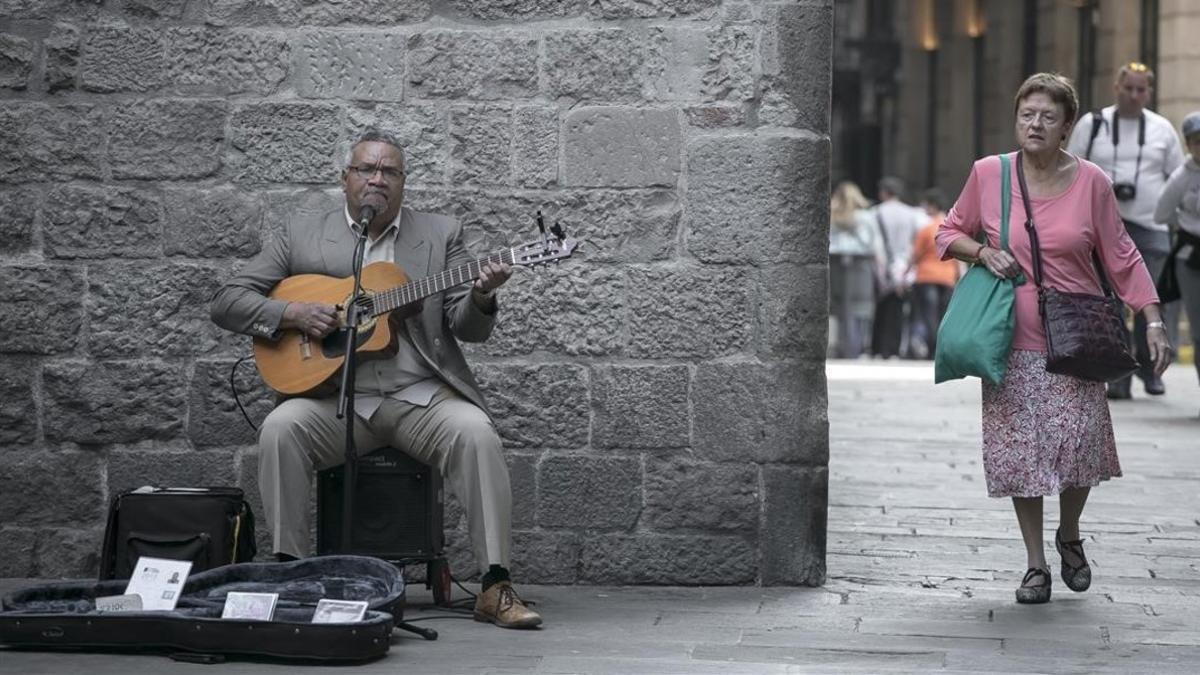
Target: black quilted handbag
{"points": [[1085, 334]]}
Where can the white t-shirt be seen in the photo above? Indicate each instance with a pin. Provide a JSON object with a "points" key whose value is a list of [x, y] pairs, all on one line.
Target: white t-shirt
{"points": [[1161, 154]]}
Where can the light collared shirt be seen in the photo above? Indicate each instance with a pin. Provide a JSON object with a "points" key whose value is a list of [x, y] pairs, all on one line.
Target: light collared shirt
{"points": [[404, 377]]}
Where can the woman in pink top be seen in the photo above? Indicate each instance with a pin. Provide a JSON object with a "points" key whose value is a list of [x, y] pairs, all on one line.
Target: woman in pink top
{"points": [[1047, 434]]}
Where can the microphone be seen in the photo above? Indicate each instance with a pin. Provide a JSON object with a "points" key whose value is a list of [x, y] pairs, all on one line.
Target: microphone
{"points": [[366, 213], [372, 204]]}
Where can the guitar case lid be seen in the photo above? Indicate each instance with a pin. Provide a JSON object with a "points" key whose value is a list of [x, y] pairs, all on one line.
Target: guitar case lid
{"points": [[63, 615]]}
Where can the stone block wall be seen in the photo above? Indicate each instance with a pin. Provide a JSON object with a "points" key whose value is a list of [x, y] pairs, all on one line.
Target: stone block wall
{"points": [[662, 397]]}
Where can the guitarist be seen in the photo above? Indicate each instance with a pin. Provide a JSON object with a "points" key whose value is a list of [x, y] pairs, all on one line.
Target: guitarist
{"points": [[423, 400]]}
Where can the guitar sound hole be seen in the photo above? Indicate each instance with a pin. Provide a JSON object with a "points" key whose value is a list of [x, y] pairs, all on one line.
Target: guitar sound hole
{"points": [[333, 346]]}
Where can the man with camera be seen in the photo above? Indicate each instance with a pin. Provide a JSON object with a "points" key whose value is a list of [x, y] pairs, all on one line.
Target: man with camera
{"points": [[1138, 149]]}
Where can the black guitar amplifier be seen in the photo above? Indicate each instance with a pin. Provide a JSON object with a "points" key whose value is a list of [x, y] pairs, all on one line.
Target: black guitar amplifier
{"points": [[398, 505]]}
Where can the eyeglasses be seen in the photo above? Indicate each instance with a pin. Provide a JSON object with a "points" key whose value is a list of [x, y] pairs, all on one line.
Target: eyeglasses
{"points": [[1136, 67], [367, 171], [1030, 116]]}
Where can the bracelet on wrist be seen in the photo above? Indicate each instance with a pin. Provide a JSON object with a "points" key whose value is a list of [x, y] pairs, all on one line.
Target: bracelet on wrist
{"points": [[1156, 324], [978, 251]]}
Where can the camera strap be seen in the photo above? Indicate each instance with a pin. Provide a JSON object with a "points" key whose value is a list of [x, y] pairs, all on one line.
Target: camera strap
{"points": [[1116, 139]]}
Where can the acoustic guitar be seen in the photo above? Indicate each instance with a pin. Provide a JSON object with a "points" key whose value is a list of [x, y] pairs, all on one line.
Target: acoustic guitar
{"points": [[297, 365]]}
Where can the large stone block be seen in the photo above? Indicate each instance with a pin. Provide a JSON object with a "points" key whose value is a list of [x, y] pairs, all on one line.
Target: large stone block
{"points": [[647, 9], [369, 12], [537, 405], [213, 414], [19, 544], [793, 536], [518, 10], [285, 143], [284, 206], [114, 401], [167, 139], [154, 9], [217, 223], [51, 488], [575, 310], [155, 310], [119, 58], [83, 10], [420, 127], [640, 407], [683, 494], [70, 552], [603, 493], [191, 468], [793, 310], [18, 410], [227, 62], [252, 13], [626, 226], [522, 476], [716, 116], [731, 72], [46, 303], [668, 559], [797, 65], [543, 557], [42, 142], [621, 147], [677, 63], [350, 65], [758, 198], [594, 64], [760, 412], [102, 222], [16, 61], [472, 65], [535, 146], [690, 312], [481, 139], [62, 57], [18, 208]]}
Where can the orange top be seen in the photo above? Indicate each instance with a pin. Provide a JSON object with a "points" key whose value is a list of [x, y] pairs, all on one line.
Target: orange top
{"points": [[931, 269]]}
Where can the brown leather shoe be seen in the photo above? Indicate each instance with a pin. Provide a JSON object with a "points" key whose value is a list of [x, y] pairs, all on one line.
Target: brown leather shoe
{"points": [[501, 605]]}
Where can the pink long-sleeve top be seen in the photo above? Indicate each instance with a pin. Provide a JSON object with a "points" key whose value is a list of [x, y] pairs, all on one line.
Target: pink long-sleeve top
{"points": [[1069, 225]]}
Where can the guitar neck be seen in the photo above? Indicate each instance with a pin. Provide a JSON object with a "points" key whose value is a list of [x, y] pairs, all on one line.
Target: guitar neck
{"points": [[398, 296]]}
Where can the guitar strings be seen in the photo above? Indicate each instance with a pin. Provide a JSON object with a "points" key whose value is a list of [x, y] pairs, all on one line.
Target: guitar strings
{"points": [[386, 301]]}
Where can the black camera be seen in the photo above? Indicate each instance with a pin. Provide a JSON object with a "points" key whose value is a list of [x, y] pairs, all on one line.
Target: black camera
{"points": [[1125, 191]]}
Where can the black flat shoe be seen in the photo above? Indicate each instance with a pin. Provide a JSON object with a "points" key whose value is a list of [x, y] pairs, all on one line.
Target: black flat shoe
{"points": [[1034, 595], [1155, 386], [1077, 577]]}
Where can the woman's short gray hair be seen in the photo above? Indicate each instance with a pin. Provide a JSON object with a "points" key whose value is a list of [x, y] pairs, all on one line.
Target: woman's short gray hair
{"points": [[372, 135]]}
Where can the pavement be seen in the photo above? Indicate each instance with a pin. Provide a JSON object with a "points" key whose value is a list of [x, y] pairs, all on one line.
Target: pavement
{"points": [[921, 568]]}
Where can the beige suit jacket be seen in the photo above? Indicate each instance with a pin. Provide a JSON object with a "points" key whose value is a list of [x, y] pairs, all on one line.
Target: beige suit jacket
{"points": [[425, 244]]}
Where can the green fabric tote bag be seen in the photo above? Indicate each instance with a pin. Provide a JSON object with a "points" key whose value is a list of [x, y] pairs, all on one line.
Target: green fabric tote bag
{"points": [[975, 336]]}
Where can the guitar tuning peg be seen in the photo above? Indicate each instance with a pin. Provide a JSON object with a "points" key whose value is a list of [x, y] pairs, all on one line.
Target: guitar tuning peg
{"points": [[557, 230]]}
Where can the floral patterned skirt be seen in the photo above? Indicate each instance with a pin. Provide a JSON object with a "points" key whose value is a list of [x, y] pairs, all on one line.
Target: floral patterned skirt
{"points": [[1044, 433]]}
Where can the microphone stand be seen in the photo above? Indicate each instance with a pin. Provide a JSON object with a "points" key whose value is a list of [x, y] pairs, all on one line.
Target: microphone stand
{"points": [[346, 411], [346, 396]]}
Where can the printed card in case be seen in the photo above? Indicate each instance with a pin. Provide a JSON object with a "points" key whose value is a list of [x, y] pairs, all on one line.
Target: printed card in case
{"points": [[159, 581], [340, 611], [255, 606]]}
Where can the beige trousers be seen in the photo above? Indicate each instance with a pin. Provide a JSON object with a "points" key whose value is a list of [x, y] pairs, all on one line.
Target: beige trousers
{"points": [[303, 436]]}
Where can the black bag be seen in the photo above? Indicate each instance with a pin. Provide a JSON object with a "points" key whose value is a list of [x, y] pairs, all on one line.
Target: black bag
{"points": [[1085, 334], [210, 526], [63, 615]]}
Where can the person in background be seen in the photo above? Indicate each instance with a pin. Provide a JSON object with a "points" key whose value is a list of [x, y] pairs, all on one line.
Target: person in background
{"points": [[1044, 433], [933, 278], [855, 253], [897, 225], [1138, 149], [1180, 206]]}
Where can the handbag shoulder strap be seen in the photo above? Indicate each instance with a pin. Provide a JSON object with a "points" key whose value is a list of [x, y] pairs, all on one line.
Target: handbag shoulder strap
{"points": [[887, 244], [1035, 246], [1005, 200]]}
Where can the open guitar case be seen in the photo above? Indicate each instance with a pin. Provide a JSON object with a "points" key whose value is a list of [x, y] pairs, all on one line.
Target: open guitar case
{"points": [[63, 615]]}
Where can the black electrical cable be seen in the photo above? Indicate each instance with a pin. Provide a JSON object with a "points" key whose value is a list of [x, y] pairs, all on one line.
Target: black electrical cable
{"points": [[233, 388]]}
